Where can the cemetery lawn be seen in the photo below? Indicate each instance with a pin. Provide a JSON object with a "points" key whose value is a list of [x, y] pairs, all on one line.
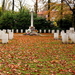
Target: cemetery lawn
{"points": [[36, 55]]}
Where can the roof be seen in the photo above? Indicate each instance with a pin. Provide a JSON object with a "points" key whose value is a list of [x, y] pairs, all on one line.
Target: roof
{"points": [[42, 12]]}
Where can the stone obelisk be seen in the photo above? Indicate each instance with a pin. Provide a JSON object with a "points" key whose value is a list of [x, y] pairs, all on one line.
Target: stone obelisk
{"points": [[32, 26], [31, 30], [32, 18]]}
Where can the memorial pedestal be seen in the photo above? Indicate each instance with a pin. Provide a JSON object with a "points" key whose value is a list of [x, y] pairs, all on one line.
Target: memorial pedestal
{"points": [[32, 30]]}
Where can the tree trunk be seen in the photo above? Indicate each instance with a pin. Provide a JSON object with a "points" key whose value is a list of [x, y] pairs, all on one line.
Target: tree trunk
{"points": [[20, 5], [13, 6], [73, 18], [49, 9], [61, 12], [36, 8], [3, 5]]}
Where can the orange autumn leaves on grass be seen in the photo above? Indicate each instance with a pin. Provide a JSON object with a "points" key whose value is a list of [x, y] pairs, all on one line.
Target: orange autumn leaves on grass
{"points": [[36, 55]]}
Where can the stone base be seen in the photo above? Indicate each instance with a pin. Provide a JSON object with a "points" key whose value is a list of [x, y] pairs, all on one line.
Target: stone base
{"points": [[32, 31], [32, 28]]}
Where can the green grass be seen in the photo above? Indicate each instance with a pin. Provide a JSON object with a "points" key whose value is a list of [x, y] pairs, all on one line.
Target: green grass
{"points": [[35, 55]]}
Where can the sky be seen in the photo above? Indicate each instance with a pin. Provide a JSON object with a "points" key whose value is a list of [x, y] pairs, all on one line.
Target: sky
{"points": [[0, 2], [29, 3]]}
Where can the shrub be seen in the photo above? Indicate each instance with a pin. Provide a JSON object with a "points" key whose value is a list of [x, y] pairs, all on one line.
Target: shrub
{"points": [[22, 20], [6, 20], [66, 24], [41, 23], [16, 20]]}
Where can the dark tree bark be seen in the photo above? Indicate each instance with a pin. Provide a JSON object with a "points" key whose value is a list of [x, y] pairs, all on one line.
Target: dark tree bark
{"points": [[3, 5], [36, 8], [49, 9], [13, 6], [20, 5], [73, 18], [72, 2], [61, 12]]}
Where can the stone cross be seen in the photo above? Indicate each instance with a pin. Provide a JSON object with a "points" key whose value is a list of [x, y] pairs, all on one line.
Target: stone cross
{"points": [[32, 18]]}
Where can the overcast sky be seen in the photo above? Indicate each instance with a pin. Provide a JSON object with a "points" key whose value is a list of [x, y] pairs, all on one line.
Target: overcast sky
{"points": [[28, 3]]}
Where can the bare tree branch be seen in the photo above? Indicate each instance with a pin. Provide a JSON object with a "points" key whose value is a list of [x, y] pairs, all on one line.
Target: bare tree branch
{"points": [[67, 2]]}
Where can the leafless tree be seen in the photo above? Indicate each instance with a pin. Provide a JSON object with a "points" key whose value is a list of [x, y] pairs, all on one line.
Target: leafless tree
{"points": [[12, 5], [7, 4], [71, 4], [3, 5], [61, 11], [49, 1], [22, 3], [36, 5]]}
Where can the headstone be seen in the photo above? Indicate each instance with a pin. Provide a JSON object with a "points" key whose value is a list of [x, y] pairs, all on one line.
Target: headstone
{"points": [[70, 35], [8, 30], [67, 31], [49, 31], [16, 30], [10, 35], [1, 33], [13, 30], [4, 30], [73, 38], [64, 38], [26, 30], [53, 31], [21, 30], [62, 32], [44, 30], [56, 36], [5, 38], [57, 31], [40, 31], [72, 29]]}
